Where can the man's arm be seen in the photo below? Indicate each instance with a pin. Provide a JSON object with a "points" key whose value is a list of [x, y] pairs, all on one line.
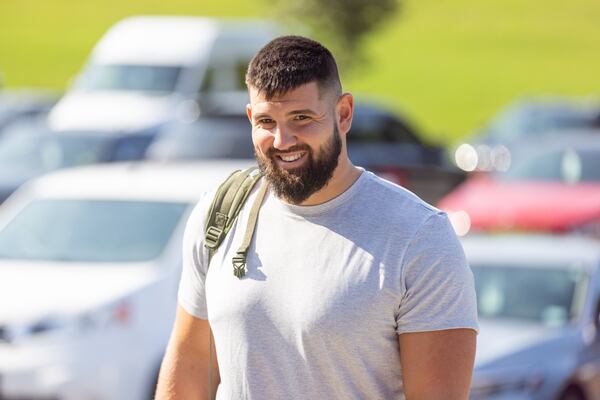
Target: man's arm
{"points": [[184, 373], [437, 365]]}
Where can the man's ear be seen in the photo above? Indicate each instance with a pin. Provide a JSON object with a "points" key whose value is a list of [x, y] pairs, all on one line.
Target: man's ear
{"points": [[249, 112], [345, 111]]}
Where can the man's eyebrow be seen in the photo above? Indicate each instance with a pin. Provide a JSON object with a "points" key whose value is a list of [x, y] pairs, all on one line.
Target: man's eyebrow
{"points": [[260, 115], [303, 111]]}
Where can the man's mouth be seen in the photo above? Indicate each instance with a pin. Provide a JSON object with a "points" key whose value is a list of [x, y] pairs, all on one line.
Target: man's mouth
{"points": [[291, 157]]}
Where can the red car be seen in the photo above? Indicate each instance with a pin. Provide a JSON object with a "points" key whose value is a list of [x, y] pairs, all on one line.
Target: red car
{"points": [[553, 185]]}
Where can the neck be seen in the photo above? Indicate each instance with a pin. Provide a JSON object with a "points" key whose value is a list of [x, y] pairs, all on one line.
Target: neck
{"points": [[343, 177]]}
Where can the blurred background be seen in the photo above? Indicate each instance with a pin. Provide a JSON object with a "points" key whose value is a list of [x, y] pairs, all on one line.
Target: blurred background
{"points": [[116, 116]]}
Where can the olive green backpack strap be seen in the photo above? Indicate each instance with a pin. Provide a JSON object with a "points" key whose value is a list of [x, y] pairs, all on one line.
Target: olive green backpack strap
{"points": [[223, 211], [225, 207]]}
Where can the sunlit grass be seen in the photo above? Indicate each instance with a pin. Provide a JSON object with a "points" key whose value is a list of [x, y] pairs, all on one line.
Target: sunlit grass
{"points": [[452, 64]]}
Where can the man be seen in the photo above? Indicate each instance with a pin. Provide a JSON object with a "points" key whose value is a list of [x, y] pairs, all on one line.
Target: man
{"points": [[352, 284]]}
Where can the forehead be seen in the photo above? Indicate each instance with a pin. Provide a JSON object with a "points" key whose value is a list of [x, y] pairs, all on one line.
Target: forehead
{"points": [[305, 96]]}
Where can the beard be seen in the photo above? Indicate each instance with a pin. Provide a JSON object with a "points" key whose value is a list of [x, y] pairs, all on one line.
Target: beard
{"points": [[298, 184]]}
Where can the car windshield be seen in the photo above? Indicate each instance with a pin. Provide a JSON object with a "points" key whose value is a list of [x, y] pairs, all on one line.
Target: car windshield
{"points": [[90, 230], [49, 152], [144, 78], [565, 165], [551, 296]]}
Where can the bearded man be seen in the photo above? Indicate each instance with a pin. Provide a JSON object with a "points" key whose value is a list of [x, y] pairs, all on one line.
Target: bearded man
{"points": [[355, 288]]}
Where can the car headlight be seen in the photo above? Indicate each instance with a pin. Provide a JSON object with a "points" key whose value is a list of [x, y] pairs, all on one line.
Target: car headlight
{"points": [[466, 157], [117, 313], [484, 388]]}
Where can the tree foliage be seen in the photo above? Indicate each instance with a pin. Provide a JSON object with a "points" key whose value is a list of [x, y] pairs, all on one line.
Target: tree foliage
{"points": [[341, 24]]}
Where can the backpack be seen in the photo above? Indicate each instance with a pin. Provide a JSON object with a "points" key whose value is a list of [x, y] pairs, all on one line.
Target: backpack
{"points": [[224, 209]]}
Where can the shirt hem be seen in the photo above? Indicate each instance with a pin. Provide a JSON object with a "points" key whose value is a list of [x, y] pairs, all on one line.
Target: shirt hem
{"points": [[441, 328]]}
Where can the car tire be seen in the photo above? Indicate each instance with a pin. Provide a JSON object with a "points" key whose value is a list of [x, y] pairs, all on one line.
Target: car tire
{"points": [[572, 393]]}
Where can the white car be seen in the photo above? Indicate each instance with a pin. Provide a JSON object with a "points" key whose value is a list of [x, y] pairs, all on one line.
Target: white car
{"points": [[148, 70], [90, 261], [538, 302]]}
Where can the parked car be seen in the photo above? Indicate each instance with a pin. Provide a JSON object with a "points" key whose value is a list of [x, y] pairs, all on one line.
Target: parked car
{"points": [[490, 148], [538, 301], [31, 149], [390, 145], [379, 140], [19, 105], [147, 70], [553, 185], [224, 136], [90, 260]]}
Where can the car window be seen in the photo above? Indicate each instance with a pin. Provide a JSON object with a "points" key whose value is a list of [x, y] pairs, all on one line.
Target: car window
{"points": [[373, 126], [225, 77], [519, 121], [537, 294], [241, 68], [130, 148], [145, 78], [565, 165], [49, 152], [90, 230]]}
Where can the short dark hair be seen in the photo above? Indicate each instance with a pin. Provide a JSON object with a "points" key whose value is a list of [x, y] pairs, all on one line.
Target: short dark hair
{"points": [[288, 62]]}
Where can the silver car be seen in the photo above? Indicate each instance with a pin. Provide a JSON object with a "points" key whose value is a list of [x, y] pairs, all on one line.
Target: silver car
{"points": [[538, 303]]}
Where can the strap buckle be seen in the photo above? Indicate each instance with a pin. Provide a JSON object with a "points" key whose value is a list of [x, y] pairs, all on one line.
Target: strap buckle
{"points": [[211, 239], [239, 265]]}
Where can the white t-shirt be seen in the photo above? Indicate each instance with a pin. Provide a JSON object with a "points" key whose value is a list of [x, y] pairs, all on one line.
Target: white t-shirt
{"points": [[327, 290]]}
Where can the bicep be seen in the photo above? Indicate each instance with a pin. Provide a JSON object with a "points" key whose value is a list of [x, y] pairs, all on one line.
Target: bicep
{"points": [[191, 339], [185, 371], [190, 331], [437, 364]]}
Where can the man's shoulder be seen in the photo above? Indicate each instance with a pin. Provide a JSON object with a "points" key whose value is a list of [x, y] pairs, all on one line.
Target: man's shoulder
{"points": [[396, 199], [197, 217]]}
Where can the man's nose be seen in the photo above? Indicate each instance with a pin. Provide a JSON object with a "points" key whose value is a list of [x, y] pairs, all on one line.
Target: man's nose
{"points": [[283, 138]]}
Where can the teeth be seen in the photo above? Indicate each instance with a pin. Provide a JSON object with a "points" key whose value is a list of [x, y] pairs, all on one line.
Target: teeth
{"points": [[291, 158]]}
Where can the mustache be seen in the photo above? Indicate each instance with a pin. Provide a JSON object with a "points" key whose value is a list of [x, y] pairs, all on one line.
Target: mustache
{"points": [[295, 148]]}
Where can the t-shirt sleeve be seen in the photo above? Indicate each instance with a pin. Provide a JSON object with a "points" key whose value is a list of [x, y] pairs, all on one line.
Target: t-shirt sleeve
{"points": [[192, 295], [439, 291]]}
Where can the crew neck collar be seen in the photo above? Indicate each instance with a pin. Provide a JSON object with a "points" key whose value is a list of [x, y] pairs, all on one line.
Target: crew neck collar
{"points": [[328, 205]]}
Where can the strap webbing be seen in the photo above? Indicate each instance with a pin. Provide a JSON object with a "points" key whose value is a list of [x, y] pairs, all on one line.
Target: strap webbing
{"points": [[226, 205], [239, 260]]}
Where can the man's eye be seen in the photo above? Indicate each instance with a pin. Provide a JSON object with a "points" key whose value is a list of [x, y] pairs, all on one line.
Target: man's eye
{"points": [[301, 117], [265, 121]]}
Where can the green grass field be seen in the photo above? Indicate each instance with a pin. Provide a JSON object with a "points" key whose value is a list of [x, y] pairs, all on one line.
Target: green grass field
{"points": [[449, 65]]}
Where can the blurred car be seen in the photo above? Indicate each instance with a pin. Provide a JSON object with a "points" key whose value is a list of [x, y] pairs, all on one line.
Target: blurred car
{"points": [[29, 150], [490, 149], [147, 70], [224, 136], [388, 144], [19, 105], [379, 140], [553, 185], [90, 260], [538, 301]]}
